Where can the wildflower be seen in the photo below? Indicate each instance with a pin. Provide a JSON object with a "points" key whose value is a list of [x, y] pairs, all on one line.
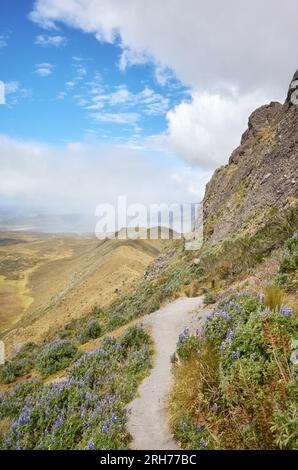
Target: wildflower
{"points": [[228, 317], [91, 445], [8, 440], [105, 428], [229, 336], [214, 408], [199, 429], [253, 356], [286, 311], [223, 346], [202, 443], [236, 354], [184, 426]]}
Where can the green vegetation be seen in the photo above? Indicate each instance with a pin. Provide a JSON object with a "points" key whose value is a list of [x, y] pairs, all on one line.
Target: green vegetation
{"points": [[92, 330], [235, 386], [224, 261], [209, 298], [287, 276], [86, 410], [56, 356], [21, 364]]}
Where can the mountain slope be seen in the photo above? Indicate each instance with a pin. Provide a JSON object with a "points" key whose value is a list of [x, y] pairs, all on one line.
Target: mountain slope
{"points": [[262, 173], [47, 280]]}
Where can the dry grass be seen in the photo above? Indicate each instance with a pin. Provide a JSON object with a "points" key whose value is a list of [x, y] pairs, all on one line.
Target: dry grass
{"points": [[195, 387], [65, 277], [274, 296]]}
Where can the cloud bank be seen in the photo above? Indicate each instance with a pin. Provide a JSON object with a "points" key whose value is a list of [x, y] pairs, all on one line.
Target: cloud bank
{"points": [[78, 176]]}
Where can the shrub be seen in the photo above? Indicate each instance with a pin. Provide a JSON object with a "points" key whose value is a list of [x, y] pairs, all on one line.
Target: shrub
{"points": [[134, 338], [186, 345], [287, 275], [20, 365], [56, 356], [209, 298], [92, 330]]}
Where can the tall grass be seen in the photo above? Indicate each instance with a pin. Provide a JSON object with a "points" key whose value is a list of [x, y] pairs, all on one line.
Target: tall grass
{"points": [[274, 296]]}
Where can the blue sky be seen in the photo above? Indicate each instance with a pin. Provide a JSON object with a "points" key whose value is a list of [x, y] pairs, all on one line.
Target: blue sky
{"points": [[65, 85], [132, 97]]}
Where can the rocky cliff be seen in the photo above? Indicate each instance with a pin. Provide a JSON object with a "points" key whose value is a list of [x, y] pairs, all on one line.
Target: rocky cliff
{"points": [[261, 174]]}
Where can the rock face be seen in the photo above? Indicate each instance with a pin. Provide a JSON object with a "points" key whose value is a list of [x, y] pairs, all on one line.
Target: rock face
{"points": [[262, 172]]}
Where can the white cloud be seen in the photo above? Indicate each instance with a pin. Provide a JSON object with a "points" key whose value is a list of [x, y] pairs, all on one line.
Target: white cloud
{"points": [[248, 47], [117, 118], [11, 87], [78, 176], [3, 41], [206, 130], [132, 57], [46, 40], [14, 91], [146, 102], [44, 70], [61, 95], [201, 41]]}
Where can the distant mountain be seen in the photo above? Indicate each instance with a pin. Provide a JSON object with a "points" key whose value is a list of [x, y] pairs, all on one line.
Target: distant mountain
{"points": [[16, 219]]}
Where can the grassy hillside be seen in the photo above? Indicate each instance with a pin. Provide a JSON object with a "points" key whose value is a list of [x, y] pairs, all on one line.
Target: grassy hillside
{"points": [[47, 281]]}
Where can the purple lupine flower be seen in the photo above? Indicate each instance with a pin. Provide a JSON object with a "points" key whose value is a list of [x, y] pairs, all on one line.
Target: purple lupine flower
{"points": [[8, 440], [236, 354], [286, 311], [199, 429], [253, 356], [202, 443], [105, 428], [228, 317], [91, 445], [229, 336], [214, 408], [223, 346]]}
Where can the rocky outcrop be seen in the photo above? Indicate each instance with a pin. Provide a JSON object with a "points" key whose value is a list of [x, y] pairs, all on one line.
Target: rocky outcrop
{"points": [[261, 174], [159, 264]]}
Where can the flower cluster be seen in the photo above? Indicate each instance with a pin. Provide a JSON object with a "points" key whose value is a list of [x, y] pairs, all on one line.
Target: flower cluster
{"points": [[87, 410]]}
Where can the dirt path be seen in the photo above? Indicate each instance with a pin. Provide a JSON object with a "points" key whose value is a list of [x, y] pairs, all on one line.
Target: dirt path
{"points": [[148, 421]]}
